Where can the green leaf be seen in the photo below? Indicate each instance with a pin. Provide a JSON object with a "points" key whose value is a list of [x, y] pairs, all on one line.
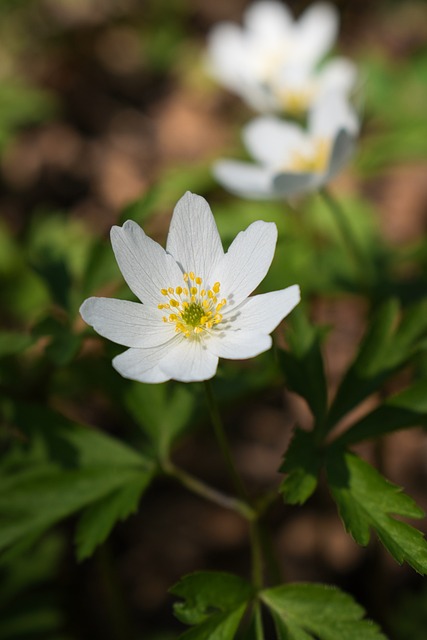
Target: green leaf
{"points": [[64, 468], [302, 365], [302, 464], [366, 500], [13, 342], [163, 411], [98, 520], [390, 341], [317, 612], [408, 408], [214, 603]]}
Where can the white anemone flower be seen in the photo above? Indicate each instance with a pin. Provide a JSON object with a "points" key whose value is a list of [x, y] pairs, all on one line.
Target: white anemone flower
{"points": [[291, 160], [195, 305], [272, 61]]}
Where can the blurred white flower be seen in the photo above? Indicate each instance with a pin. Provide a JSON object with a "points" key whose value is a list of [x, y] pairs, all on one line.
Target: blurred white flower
{"points": [[195, 305], [272, 61], [291, 160]]}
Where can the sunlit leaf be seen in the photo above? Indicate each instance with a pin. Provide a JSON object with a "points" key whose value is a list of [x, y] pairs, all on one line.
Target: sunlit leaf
{"points": [[366, 500], [317, 612]]}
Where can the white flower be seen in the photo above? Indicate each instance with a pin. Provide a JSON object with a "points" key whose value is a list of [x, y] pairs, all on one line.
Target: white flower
{"points": [[290, 160], [195, 305], [272, 61]]}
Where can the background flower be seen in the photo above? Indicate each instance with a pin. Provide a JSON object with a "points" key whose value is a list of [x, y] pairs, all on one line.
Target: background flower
{"points": [[195, 297], [257, 60], [291, 160]]}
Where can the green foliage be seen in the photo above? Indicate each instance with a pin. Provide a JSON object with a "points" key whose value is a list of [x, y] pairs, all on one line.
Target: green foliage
{"points": [[30, 607], [13, 342], [312, 611], [408, 408], [398, 134], [65, 468], [302, 464], [21, 105], [366, 500], [392, 339], [163, 411], [213, 603], [302, 364]]}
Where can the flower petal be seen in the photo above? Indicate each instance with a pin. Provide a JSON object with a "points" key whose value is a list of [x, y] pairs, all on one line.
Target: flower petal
{"points": [[143, 364], [238, 345], [268, 19], [246, 262], [331, 113], [315, 32], [193, 238], [128, 323], [262, 313], [338, 74], [226, 54], [145, 265], [342, 150], [270, 140], [289, 184], [244, 179], [189, 361]]}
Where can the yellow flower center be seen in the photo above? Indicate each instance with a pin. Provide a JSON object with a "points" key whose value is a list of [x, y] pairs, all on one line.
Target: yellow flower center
{"points": [[191, 308], [316, 160]]}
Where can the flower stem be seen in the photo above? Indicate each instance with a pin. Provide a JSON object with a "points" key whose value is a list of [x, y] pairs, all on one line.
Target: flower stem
{"points": [[222, 441], [345, 229], [256, 549], [209, 493]]}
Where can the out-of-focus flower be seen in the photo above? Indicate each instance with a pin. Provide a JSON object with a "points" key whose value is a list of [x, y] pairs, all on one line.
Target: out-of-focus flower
{"points": [[195, 305], [290, 160], [272, 61]]}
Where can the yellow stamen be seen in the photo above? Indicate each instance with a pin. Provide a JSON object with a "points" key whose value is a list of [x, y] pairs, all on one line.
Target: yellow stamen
{"points": [[194, 311]]}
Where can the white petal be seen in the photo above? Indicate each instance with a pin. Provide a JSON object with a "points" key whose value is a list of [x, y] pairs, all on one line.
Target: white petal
{"points": [[342, 150], [262, 313], [289, 184], [244, 179], [145, 265], [247, 261], [339, 74], [226, 54], [331, 113], [143, 364], [270, 140], [315, 32], [268, 20], [193, 237], [128, 323], [189, 361], [238, 345]]}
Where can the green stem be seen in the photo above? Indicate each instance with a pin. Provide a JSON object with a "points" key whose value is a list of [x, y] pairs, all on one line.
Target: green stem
{"points": [[257, 564], [222, 441], [259, 631], [209, 493], [345, 229]]}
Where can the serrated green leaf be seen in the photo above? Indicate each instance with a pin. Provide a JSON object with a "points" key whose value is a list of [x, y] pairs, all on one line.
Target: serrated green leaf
{"points": [[366, 501], [302, 463], [390, 341], [98, 520], [313, 611], [214, 602], [408, 408], [303, 366]]}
